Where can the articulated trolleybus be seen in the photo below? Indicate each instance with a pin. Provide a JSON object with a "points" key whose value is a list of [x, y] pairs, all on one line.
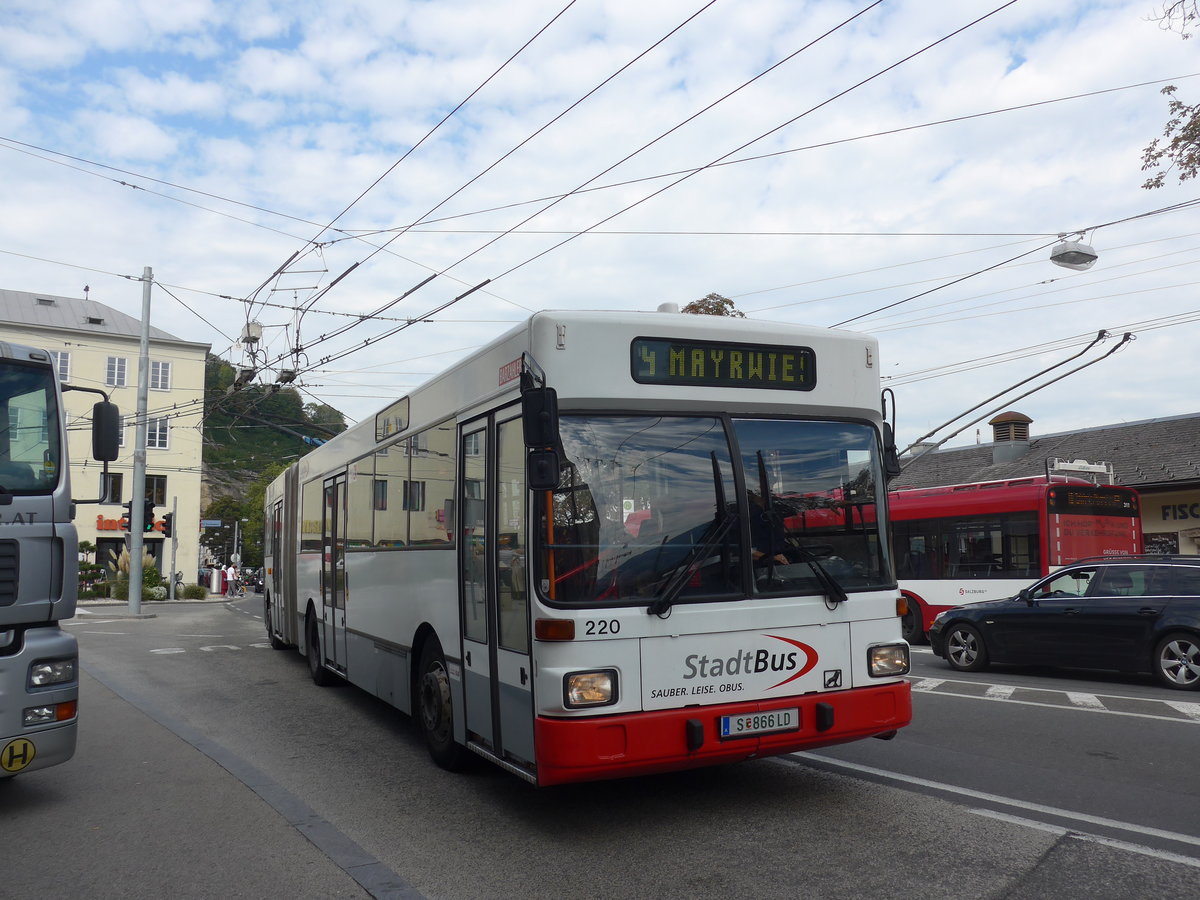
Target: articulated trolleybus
{"points": [[608, 544], [967, 542]]}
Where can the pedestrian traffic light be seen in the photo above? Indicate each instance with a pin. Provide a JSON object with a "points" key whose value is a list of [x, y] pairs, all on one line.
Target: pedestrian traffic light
{"points": [[148, 516], [127, 516], [167, 517]]}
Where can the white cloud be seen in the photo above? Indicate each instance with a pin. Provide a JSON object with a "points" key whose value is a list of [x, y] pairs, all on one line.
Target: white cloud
{"points": [[299, 107]]}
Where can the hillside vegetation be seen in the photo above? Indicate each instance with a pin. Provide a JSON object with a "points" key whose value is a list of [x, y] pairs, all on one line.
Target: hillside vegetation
{"points": [[250, 436]]}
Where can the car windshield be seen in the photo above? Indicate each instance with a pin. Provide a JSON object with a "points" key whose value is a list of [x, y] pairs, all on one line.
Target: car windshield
{"points": [[675, 505]]}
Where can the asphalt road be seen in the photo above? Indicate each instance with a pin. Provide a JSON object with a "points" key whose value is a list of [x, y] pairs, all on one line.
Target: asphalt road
{"points": [[209, 765]]}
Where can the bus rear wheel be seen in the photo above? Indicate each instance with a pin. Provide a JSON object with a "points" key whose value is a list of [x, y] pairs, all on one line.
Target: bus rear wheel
{"points": [[436, 710]]}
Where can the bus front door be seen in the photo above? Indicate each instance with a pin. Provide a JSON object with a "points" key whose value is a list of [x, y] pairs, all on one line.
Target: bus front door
{"points": [[333, 572], [497, 666]]}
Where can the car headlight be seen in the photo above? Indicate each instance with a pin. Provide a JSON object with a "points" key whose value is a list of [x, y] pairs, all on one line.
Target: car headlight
{"points": [[586, 689], [887, 659], [47, 672]]}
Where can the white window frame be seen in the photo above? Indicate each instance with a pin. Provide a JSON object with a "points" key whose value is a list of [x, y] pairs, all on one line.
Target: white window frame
{"points": [[62, 364], [160, 375], [158, 433], [114, 371]]}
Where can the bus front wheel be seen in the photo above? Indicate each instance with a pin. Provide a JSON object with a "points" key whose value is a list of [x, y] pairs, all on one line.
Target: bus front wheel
{"points": [[321, 676], [436, 710], [910, 624], [276, 643]]}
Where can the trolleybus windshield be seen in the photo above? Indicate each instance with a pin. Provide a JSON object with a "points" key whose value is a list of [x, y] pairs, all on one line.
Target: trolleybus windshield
{"points": [[649, 504]]}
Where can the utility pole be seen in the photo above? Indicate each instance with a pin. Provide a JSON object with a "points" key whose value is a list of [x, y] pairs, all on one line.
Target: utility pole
{"points": [[137, 524], [174, 546]]}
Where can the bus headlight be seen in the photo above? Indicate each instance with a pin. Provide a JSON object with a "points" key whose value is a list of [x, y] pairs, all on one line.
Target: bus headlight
{"points": [[887, 659], [584, 689], [47, 672]]}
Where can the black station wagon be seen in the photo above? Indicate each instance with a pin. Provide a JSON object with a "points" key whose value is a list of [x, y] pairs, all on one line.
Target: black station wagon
{"points": [[1129, 614]]}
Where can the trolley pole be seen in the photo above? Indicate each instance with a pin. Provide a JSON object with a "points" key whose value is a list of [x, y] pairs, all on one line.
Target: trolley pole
{"points": [[137, 524]]}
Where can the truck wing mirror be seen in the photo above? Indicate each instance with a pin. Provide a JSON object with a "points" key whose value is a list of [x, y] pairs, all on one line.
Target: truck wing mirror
{"points": [[106, 431]]}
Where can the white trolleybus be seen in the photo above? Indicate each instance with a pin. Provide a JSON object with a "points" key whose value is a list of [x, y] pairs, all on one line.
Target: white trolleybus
{"points": [[608, 544]]}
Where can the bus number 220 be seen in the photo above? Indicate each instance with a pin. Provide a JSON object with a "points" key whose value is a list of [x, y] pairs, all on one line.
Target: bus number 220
{"points": [[603, 626]]}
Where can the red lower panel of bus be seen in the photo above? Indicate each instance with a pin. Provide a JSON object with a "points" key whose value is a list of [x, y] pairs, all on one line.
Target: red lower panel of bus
{"points": [[663, 741]]}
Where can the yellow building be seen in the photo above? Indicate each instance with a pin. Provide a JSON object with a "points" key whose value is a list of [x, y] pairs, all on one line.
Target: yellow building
{"points": [[97, 346]]}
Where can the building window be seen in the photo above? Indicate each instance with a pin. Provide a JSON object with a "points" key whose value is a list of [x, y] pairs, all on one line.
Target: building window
{"points": [[160, 376], [380, 493], [472, 445], [156, 433], [116, 486], [120, 431], [156, 489], [414, 495], [62, 364], [115, 376]]}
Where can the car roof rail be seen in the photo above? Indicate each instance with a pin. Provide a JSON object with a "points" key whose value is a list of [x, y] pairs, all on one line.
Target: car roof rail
{"points": [[1139, 557]]}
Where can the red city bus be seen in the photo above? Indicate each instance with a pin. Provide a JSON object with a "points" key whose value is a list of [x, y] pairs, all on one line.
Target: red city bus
{"points": [[965, 542]]}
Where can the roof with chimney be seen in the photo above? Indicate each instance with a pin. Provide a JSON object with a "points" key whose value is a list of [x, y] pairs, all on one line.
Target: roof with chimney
{"points": [[1161, 454]]}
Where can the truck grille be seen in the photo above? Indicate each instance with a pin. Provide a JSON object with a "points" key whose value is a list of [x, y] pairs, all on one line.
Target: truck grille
{"points": [[9, 559]]}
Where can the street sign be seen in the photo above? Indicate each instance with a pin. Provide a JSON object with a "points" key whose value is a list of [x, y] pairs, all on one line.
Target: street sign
{"points": [[211, 523]]}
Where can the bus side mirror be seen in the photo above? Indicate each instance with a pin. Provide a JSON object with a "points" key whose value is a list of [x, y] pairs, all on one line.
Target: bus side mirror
{"points": [[891, 459], [106, 431], [539, 418], [542, 470]]}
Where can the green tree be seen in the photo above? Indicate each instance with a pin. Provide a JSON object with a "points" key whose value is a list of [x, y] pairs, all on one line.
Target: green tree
{"points": [[1178, 149], [713, 305]]}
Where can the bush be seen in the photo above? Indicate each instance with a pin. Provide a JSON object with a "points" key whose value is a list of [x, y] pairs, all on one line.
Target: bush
{"points": [[191, 592], [156, 592]]}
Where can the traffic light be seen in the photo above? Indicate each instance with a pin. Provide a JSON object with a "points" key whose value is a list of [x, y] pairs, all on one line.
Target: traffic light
{"points": [[127, 516], [166, 529], [148, 516]]}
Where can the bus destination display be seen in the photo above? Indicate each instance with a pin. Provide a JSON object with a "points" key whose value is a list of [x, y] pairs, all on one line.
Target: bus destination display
{"points": [[715, 364], [1091, 501]]}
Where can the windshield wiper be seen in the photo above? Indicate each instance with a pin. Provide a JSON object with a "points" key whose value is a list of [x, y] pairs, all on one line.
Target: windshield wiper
{"points": [[690, 563], [832, 586], [833, 589]]}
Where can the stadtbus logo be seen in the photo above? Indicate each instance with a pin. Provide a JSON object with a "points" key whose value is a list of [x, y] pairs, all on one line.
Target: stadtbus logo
{"points": [[792, 662]]}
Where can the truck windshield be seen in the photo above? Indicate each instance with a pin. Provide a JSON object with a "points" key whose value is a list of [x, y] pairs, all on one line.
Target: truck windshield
{"points": [[654, 504], [30, 449]]}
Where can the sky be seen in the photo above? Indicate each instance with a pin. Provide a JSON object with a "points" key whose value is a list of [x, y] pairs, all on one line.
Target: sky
{"points": [[899, 168]]}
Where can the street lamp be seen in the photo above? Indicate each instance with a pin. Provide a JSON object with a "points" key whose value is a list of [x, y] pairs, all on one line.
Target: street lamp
{"points": [[1073, 254]]}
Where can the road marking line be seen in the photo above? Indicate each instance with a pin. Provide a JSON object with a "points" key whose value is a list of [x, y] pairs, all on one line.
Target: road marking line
{"points": [[927, 684], [1088, 709], [1087, 701], [1091, 838], [999, 692], [1052, 690], [1003, 801], [169, 650], [1191, 710]]}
